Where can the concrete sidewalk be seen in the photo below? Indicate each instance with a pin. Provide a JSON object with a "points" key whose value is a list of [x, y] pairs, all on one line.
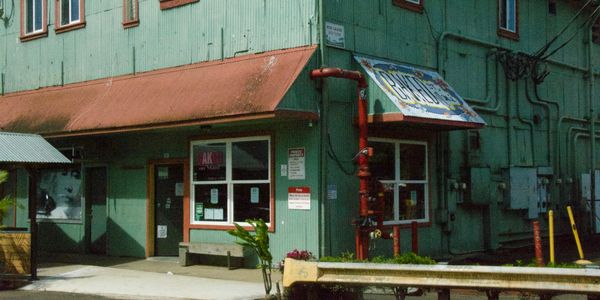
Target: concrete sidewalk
{"points": [[157, 278]]}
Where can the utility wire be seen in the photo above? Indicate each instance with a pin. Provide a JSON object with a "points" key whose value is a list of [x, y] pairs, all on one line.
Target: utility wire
{"points": [[545, 48], [332, 155], [586, 23]]}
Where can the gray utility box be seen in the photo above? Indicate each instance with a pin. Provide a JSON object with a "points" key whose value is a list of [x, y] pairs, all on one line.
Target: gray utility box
{"points": [[522, 190]]}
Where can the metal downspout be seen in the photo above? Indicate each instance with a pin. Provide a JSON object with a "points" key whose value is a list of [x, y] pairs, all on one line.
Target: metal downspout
{"points": [[525, 121], [324, 219], [592, 133]]}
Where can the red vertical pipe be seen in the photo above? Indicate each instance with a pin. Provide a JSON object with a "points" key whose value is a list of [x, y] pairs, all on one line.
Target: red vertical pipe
{"points": [[363, 163], [415, 237], [396, 240], [539, 256]]}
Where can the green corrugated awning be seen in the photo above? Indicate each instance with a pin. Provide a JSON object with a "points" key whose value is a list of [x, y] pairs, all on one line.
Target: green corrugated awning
{"points": [[23, 149]]}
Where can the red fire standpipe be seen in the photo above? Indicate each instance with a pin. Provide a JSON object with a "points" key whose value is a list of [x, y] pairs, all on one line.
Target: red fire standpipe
{"points": [[363, 161], [415, 237], [539, 256]]}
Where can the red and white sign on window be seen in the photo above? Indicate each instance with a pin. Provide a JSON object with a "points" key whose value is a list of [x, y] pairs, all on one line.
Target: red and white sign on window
{"points": [[210, 159], [299, 198]]}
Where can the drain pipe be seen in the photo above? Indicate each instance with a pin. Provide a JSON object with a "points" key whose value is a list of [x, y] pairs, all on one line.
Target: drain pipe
{"points": [[592, 132], [363, 162]]}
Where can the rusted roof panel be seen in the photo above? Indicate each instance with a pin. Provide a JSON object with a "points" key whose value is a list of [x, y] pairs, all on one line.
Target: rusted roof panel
{"points": [[18, 148], [246, 87]]}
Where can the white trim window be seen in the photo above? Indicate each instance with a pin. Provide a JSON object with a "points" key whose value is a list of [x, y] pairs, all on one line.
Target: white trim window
{"points": [[34, 12], [70, 12], [402, 167], [507, 15], [231, 180], [417, 2]]}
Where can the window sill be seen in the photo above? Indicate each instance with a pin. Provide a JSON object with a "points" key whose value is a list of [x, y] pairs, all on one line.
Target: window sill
{"points": [[33, 36], [410, 6], [167, 4], [69, 27], [225, 227], [130, 24], [508, 34]]}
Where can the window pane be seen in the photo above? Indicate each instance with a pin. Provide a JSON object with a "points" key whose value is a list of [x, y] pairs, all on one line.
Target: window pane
{"points": [[412, 201], [251, 201], [382, 164], [388, 212], [29, 16], [129, 10], [209, 162], [511, 13], [59, 194], [250, 160], [210, 202], [74, 10], [502, 13], [38, 15], [412, 162], [64, 12]]}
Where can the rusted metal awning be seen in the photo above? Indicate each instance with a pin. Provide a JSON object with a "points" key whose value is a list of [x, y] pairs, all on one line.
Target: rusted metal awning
{"points": [[403, 93], [248, 87]]}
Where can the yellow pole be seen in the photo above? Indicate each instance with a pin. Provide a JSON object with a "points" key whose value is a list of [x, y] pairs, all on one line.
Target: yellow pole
{"points": [[551, 229], [574, 229]]}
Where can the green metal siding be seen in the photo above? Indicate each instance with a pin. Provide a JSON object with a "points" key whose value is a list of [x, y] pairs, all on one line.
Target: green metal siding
{"points": [[202, 31]]}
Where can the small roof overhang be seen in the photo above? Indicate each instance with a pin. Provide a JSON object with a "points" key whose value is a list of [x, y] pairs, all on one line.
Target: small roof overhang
{"points": [[24, 150], [405, 94], [244, 88]]}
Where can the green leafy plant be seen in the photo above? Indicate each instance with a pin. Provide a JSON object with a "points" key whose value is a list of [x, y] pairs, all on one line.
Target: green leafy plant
{"points": [[6, 202], [406, 258], [259, 242]]}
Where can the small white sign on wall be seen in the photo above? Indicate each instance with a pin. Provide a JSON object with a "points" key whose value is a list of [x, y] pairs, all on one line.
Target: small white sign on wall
{"points": [[296, 164], [334, 35], [299, 198], [161, 231]]}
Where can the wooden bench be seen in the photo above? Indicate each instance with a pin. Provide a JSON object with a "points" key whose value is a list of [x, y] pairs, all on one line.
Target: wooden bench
{"points": [[234, 252]]}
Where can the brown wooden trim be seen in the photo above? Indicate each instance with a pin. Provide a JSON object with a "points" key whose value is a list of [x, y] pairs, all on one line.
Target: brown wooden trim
{"points": [[24, 37], [400, 118], [167, 4], [506, 33], [409, 5], [58, 28], [151, 201], [271, 182], [136, 20]]}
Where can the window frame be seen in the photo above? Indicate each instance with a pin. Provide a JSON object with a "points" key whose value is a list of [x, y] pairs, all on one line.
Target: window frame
{"points": [[230, 182], [410, 5], [167, 4], [58, 27], [134, 21], [398, 180], [27, 36], [506, 32]]}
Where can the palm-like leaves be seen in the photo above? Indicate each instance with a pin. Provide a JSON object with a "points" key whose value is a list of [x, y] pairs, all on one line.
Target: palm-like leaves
{"points": [[259, 242], [6, 202]]}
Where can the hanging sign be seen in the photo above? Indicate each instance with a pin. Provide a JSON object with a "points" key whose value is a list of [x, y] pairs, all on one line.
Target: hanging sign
{"points": [[334, 35], [296, 164], [161, 231], [419, 93], [299, 198]]}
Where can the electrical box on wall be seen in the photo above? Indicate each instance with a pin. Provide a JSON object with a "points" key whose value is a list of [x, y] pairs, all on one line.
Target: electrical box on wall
{"points": [[522, 189], [586, 193], [479, 186]]}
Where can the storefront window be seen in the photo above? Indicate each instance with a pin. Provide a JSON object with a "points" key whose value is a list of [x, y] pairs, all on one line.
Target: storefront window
{"points": [[59, 194], [402, 167], [231, 180]]}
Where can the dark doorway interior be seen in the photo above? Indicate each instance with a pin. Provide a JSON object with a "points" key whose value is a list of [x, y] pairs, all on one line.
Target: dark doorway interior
{"points": [[95, 198]]}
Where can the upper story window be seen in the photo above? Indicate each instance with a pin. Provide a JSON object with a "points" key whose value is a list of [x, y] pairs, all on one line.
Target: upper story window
{"points": [[69, 14], [596, 32], [231, 181], [414, 5], [130, 13], [402, 167], [33, 19], [508, 19]]}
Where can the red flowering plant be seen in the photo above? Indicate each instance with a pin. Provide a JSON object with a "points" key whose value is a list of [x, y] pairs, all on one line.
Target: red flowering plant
{"points": [[296, 254]]}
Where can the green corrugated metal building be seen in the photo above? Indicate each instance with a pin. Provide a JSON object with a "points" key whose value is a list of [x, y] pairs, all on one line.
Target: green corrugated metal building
{"points": [[185, 116]]}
